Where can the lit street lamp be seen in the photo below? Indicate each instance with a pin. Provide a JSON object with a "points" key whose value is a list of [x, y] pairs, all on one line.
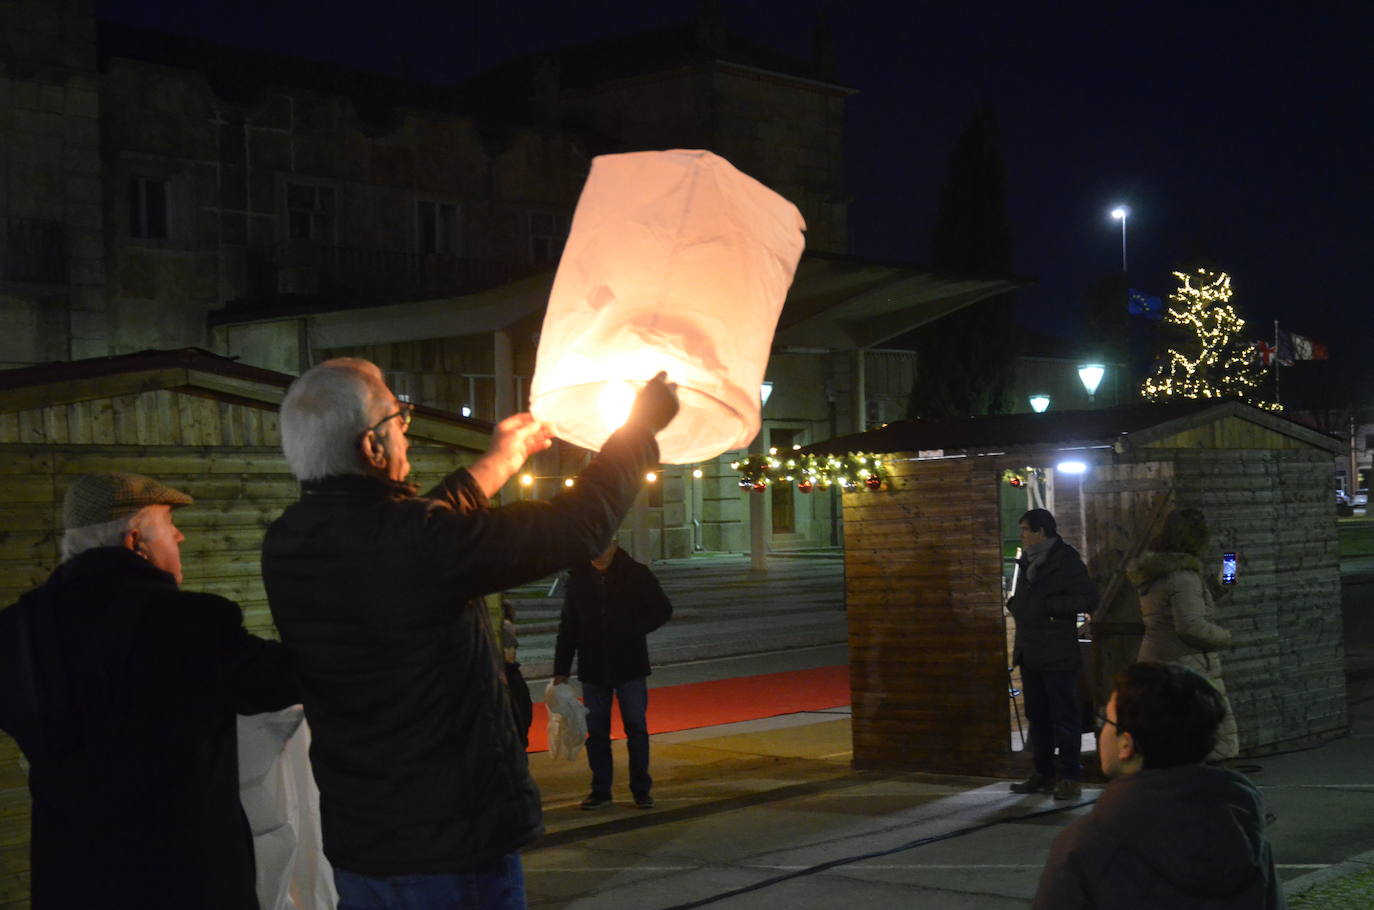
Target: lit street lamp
{"points": [[1039, 403], [1091, 374], [1120, 213]]}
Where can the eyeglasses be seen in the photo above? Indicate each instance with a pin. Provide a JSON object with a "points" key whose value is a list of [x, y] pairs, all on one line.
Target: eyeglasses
{"points": [[404, 415], [1103, 720]]}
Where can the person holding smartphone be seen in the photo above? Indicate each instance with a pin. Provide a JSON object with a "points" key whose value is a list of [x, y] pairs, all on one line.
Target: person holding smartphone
{"points": [[1178, 597]]}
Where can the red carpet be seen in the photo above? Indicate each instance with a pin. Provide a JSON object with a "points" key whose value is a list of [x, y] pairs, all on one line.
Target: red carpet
{"points": [[723, 701]]}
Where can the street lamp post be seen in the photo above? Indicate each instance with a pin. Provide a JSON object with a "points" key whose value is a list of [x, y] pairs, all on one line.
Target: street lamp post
{"points": [[1120, 213]]}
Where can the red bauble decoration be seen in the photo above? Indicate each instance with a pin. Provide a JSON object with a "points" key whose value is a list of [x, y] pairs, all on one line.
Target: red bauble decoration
{"points": [[805, 486], [1016, 481], [760, 486], [873, 482]]}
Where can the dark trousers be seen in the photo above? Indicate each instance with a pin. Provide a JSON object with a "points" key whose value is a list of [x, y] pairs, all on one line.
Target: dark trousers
{"points": [[1052, 713], [633, 698], [498, 886]]}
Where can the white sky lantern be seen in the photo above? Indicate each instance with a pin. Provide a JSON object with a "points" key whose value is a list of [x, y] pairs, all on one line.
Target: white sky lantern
{"points": [[676, 261]]}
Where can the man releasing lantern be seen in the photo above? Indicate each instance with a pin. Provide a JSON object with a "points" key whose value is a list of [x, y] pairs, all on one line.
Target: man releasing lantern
{"points": [[675, 261]]}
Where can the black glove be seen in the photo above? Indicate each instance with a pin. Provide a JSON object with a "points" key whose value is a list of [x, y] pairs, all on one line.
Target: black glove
{"points": [[656, 404]]}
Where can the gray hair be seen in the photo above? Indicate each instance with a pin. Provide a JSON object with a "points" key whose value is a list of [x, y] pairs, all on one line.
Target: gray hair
{"points": [[105, 534], [325, 411]]}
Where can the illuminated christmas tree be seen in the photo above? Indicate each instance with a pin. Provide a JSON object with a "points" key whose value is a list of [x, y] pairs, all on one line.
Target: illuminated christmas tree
{"points": [[1217, 361]]}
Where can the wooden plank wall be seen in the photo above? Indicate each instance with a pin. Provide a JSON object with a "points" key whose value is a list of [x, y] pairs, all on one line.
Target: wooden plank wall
{"points": [[225, 455], [927, 647], [1285, 673]]}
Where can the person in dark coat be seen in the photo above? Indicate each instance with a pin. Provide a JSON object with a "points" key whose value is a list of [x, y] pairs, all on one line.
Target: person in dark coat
{"points": [[425, 790], [121, 690], [1168, 831], [612, 604], [1052, 588]]}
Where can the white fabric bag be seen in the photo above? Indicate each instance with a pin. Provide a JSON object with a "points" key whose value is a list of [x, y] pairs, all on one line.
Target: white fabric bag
{"points": [[567, 721], [279, 796]]}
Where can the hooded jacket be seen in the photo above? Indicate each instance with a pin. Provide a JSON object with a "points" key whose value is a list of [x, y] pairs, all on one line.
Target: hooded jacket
{"points": [[374, 589], [122, 691], [1186, 838], [1046, 609], [1177, 606]]}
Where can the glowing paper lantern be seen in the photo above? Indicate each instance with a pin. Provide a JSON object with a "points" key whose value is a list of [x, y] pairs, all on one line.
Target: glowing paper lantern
{"points": [[676, 261]]}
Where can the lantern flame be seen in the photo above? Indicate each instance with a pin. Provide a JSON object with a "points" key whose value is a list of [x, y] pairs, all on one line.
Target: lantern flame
{"points": [[615, 401]]}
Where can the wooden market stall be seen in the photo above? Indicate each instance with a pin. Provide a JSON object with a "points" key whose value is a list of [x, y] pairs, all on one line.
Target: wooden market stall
{"points": [[924, 563], [201, 423]]}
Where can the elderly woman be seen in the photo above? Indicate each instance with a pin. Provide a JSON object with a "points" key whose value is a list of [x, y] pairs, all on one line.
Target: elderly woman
{"points": [[1178, 603]]}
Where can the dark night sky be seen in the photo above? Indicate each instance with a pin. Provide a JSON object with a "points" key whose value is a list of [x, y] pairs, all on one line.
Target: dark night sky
{"points": [[1222, 126]]}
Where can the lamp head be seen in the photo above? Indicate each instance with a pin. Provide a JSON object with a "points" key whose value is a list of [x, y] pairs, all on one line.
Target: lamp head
{"points": [[1120, 212], [1039, 403], [1091, 374]]}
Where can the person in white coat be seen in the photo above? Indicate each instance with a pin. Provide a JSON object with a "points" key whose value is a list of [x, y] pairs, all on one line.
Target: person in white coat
{"points": [[1178, 606]]}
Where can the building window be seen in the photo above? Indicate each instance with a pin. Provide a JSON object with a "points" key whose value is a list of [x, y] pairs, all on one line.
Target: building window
{"points": [[148, 208], [784, 504], [310, 212], [1369, 441], [438, 228], [548, 233]]}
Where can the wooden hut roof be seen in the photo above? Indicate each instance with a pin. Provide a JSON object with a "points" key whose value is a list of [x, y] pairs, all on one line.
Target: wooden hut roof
{"points": [[1125, 427], [196, 372]]}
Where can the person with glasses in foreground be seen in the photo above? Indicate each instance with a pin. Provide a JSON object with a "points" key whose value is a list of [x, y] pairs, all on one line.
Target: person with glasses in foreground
{"points": [[425, 791], [1168, 830]]}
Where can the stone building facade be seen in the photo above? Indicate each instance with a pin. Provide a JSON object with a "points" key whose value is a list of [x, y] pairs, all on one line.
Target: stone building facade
{"points": [[163, 193]]}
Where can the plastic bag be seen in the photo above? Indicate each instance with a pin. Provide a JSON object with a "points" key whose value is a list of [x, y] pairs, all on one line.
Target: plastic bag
{"points": [[567, 721]]}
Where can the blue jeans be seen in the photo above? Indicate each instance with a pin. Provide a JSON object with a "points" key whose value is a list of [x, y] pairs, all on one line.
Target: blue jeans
{"points": [[633, 697], [498, 886], [1052, 713]]}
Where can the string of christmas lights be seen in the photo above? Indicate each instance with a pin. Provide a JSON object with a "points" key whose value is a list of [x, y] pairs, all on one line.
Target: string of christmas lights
{"points": [[1222, 366], [851, 471]]}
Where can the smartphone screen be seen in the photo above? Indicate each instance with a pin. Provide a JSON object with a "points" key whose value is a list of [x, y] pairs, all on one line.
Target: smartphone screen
{"points": [[1228, 568]]}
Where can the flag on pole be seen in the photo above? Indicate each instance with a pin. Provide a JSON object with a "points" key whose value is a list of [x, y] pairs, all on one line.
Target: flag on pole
{"points": [[1292, 348], [1265, 353], [1139, 303]]}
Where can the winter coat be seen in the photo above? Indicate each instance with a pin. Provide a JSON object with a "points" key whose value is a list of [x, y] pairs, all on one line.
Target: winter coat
{"points": [[375, 591], [1190, 838], [1046, 610], [1176, 606], [122, 692], [605, 619]]}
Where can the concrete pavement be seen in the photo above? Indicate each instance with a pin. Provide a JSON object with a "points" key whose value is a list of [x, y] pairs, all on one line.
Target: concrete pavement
{"points": [[769, 814]]}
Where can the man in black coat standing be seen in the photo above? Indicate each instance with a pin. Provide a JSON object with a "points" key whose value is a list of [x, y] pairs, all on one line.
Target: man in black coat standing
{"points": [[425, 791], [1052, 588], [122, 689], [612, 604]]}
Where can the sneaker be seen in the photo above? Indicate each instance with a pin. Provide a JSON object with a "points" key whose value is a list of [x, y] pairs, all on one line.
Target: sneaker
{"points": [[1033, 784], [594, 801], [1068, 789], [644, 802]]}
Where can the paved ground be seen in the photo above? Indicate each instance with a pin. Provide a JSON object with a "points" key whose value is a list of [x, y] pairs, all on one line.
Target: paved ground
{"points": [[769, 814]]}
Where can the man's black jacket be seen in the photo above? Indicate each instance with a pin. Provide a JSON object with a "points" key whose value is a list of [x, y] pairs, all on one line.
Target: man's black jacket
{"points": [[1046, 610], [415, 750], [122, 690], [606, 616]]}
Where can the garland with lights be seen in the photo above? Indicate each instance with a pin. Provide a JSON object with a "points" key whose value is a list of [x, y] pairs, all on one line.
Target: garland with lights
{"points": [[1222, 364], [849, 472]]}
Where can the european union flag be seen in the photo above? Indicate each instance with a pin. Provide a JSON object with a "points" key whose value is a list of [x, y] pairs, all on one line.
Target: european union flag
{"points": [[1140, 303]]}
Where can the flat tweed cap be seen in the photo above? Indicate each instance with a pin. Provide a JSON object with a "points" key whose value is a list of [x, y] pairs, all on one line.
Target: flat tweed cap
{"points": [[97, 498]]}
